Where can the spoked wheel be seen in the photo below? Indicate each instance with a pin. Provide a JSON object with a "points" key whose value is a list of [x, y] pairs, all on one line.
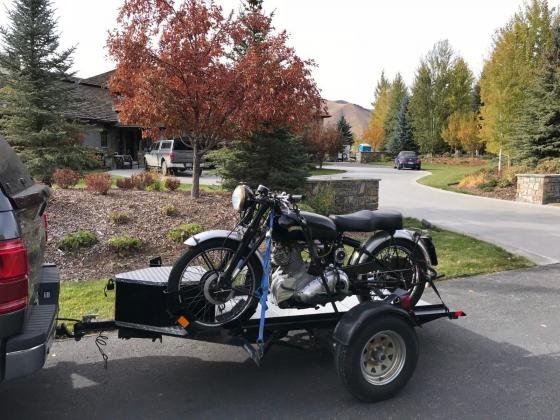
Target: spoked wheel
{"points": [[379, 362], [398, 266], [196, 276]]}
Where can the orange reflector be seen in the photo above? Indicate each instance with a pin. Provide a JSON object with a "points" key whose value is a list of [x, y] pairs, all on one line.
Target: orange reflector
{"points": [[183, 322]]}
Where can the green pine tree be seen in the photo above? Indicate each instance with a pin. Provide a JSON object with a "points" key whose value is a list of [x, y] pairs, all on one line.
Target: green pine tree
{"points": [[540, 122], [345, 130], [398, 93], [277, 160], [402, 138], [35, 101]]}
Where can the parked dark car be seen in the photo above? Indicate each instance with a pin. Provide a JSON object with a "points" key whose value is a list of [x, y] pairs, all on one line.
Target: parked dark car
{"points": [[408, 160], [28, 288]]}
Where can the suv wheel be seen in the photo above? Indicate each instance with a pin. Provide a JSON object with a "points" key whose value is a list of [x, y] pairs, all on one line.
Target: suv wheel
{"points": [[164, 170]]}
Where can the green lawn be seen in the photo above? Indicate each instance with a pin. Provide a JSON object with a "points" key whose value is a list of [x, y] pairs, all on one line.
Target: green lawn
{"points": [[326, 171], [459, 256], [446, 177]]}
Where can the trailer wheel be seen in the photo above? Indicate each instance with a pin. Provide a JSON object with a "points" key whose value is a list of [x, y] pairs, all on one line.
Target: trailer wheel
{"points": [[380, 359]]}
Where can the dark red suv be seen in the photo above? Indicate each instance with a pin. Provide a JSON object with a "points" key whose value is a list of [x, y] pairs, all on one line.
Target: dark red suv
{"points": [[28, 288]]}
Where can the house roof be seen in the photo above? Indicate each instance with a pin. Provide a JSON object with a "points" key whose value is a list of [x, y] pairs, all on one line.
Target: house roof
{"points": [[100, 80], [94, 103]]}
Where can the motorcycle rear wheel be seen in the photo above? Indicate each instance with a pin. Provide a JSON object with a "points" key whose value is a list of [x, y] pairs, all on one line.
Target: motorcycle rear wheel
{"points": [[398, 258], [195, 277]]}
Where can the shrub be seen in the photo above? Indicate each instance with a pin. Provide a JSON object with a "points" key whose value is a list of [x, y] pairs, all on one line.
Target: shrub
{"points": [[484, 178], [142, 180], [489, 184], [66, 178], [170, 210], [118, 218], [100, 183], [504, 183], [306, 207], [548, 166], [79, 239], [125, 183], [182, 232], [124, 245], [157, 185], [322, 201], [43, 161], [508, 177], [276, 160], [172, 183]]}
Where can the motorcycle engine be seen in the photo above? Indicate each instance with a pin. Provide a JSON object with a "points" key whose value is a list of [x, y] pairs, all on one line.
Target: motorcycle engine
{"points": [[292, 286]]}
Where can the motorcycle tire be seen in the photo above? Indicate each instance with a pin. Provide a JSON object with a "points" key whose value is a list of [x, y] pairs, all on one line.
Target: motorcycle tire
{"points": [[389, 262], [194, 276]]}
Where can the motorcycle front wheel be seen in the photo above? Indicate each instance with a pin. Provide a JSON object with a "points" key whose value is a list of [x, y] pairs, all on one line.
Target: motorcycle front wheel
{"points": [[399, 265], [195, 277]]}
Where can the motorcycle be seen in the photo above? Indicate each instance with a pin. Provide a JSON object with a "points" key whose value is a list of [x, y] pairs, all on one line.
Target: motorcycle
{"points": [[314, 262]]}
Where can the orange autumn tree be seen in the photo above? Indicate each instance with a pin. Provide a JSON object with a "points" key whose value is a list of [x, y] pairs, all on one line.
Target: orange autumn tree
{"points": [[188, 70]]}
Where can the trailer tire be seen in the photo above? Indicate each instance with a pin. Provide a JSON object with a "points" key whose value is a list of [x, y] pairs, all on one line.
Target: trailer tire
{"points": [[365, 353]]}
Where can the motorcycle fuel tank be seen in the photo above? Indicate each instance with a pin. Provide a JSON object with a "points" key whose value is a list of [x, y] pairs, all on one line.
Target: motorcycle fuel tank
{"points": [[288, 227]]}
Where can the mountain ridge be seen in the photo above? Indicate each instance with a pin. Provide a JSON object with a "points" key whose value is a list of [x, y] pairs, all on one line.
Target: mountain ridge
{"points": [[356, 115]]}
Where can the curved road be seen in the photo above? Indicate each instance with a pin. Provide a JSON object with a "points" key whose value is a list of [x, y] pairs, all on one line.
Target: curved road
{"points": [[525, 229]]}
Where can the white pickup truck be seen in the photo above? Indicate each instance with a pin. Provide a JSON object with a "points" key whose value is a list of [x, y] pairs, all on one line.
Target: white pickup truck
{"points": [[171, 156]]}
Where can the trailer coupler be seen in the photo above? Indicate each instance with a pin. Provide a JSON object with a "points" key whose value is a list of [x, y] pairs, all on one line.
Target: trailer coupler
{"points": [[86, 326]]}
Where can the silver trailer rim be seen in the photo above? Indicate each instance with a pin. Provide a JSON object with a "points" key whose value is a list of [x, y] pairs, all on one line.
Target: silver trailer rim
{"points": [[383, 358]]}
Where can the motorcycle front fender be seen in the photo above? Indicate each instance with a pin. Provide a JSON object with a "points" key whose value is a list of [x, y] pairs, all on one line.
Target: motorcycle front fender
{"points": [[218, 234], [425, 246]]}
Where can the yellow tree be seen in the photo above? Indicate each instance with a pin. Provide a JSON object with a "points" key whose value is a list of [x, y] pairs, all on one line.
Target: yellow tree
{"points": [[375, 133], [452, 132], [462, 131], [509, 71]]}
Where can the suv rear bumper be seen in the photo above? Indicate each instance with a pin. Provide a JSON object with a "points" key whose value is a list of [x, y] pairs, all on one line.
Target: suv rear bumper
{"points": [[26, 352]]}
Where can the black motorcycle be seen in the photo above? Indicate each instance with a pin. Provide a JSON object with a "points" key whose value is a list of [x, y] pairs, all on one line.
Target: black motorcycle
{"points": [[312, 260]]}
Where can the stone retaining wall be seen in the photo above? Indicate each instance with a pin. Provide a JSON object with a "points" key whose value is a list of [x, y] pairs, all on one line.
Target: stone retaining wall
{"points": [[538, 188], [345, 195]]}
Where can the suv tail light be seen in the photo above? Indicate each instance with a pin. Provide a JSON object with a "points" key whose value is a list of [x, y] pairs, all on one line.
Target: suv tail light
{"points": [[171, 156], [13, 276]]}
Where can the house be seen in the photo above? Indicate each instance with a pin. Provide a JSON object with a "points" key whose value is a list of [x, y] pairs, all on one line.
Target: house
{"points": [[96, 109]]}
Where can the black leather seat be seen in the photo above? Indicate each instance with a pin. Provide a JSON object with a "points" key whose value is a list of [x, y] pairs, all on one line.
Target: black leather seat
{"points": [[368, 221]]}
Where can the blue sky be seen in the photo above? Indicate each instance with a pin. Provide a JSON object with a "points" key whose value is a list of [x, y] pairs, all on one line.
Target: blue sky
{"points": [[352, 41]]}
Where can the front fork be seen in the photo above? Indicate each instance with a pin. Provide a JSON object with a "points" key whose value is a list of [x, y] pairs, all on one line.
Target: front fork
{"points": [[246, 249]]}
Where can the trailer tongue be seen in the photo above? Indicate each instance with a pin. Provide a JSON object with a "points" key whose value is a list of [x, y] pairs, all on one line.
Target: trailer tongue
{"points": [[381, 333]]}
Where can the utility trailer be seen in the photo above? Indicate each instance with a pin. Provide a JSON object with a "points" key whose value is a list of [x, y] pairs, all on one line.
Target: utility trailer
{"points": [[374, 343]]}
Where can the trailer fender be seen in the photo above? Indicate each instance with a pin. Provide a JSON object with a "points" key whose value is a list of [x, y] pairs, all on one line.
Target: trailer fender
{"points": [[352, 321], [218, 234]]}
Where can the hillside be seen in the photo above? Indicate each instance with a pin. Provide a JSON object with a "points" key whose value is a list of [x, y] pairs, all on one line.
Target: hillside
{"points": [[356, 115]]}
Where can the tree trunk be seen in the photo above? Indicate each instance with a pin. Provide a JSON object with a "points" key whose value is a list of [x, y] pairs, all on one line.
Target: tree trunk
{"points": [[195, 191], [500, 161]]}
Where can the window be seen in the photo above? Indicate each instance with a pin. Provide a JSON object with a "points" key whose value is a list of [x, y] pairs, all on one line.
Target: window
{"points": [[154, 147], [180, 145], [104, 139], [166, 145]]}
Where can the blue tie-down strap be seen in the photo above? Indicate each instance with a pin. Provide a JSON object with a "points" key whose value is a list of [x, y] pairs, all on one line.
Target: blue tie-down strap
{"points": [[264, 283]]}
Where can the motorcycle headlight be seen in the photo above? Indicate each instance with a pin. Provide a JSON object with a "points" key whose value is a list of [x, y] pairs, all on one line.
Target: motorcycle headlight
{"points": [[241, 197]]}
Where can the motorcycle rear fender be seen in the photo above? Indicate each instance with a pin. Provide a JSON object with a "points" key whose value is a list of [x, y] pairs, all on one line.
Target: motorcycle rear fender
{"points": [[351, 323], [219, 234], [425, 245]]}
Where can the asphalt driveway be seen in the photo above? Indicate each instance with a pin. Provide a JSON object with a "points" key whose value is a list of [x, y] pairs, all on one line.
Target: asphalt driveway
{"points": [[525, 229], [501, 361]]}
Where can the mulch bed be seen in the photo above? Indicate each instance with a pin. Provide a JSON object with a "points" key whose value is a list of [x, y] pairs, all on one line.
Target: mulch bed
{"points": [[501, 193], [70, 210]]}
